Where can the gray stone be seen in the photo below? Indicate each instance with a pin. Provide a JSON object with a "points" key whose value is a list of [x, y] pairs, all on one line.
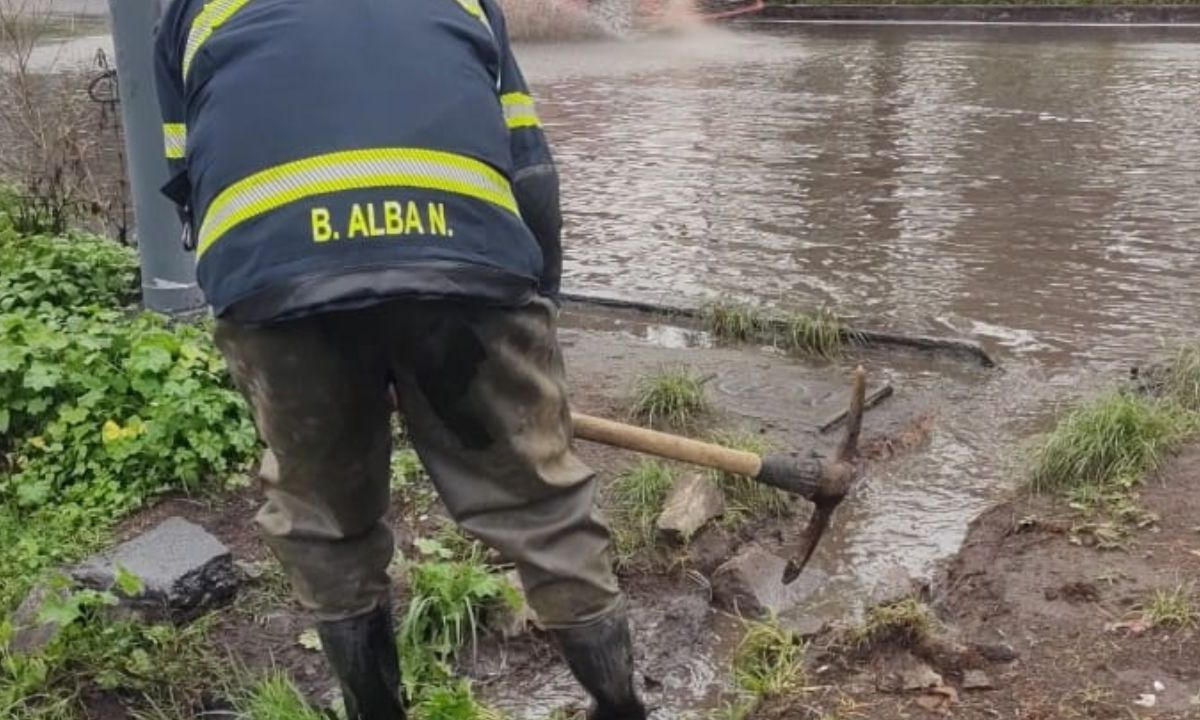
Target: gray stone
{"points": [[183, 569], [903, 673], [693, 502], [892, 586], [30, 636], [999, 652], [806, 626], [751, 583], [976, 680]]}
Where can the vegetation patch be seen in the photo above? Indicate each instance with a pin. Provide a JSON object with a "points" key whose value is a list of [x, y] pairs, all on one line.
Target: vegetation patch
{"points": [[672, 397], [769, 661], [1108, 444], [275, 697], [637, 497], [449, 601], [908, 622], [819, 334], [1172, 607]]}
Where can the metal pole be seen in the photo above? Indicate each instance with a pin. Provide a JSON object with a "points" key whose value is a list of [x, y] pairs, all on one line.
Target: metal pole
{"points": [[168, 271]]}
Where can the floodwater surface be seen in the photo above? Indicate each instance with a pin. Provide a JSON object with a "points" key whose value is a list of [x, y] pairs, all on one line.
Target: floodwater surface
{"points": [[1035, 189]]}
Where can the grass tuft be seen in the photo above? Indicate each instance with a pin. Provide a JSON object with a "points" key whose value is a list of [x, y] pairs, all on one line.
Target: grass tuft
{"points": [[1171, 607], [734, 322], [1183, 379], [637, 498], [1110, 443], [673, 396], [821, 333], [769, 661], [907, 622], [744, 497], [275, 697]]}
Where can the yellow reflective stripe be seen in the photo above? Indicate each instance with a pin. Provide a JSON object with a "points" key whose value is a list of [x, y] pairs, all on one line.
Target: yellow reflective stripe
{"points": [[519, 111], [174, 140], [213, 16], [475, 9], [275, 187]]}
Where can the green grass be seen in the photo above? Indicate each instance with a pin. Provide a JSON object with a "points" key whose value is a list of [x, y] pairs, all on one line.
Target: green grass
{"points": [[1172, 607], [1109, 443], [907, 622], [636, 498], [1183, 379], [745, 498], [673, 397], [769, 661], [818, 334], [275, 697]]}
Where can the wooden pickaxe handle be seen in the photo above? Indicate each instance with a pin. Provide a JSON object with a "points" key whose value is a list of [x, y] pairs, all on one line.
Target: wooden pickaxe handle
{"points": [[664, 445]]}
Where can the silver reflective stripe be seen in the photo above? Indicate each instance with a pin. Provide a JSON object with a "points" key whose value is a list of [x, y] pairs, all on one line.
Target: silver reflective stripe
{"points": [[417, 168], [213, 16], [175, 140], [519, 111]]}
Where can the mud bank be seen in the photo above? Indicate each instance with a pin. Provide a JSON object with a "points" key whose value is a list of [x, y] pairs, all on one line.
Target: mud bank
{"points": [[1013, 14], [1039, 620]]}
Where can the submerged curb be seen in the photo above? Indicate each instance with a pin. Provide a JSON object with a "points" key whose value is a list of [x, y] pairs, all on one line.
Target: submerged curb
{"points": [[1183, 15]]}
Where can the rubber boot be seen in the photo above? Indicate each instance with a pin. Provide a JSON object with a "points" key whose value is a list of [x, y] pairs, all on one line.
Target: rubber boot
{"points": [[362, 652], [600, 656]]}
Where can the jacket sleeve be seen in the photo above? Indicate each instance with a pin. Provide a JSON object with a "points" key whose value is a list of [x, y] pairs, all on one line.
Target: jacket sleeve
{"points": [[169, 84], [535, 178]]}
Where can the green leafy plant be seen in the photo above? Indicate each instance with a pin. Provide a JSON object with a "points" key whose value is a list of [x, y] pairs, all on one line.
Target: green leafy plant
{"points": [[447, 607], [769, 661], [672, 396], [64, 273], [637, 497], [453, 701]]}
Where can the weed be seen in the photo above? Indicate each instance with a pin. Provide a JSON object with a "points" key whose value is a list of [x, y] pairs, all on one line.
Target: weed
{"points": [[1171, 607], [907, 622], [448, 603], [1183, 378], [275, 697], [744, 497], [734, 710], [822, 334], [734, 322], [1107, 444], [453, 701], [673, 396], [637, 498], [52, 274], [769, 661]]}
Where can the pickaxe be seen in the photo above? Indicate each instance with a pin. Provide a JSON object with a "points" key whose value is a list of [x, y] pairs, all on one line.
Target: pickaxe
{"points": [[825, 484]]}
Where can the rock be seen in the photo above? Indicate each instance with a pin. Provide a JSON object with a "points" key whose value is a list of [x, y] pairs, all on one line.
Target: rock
{"points": [[1000, 652], [1146, 700], [751, 583], [806, 626], [894, 584], [30, 636], [693, 502], [903, 673], [514, 623], [183, 569], [976, 680]]}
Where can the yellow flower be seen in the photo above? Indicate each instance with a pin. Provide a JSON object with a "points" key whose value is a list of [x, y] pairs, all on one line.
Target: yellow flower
{"points": [[38, 442], [111, 432]]}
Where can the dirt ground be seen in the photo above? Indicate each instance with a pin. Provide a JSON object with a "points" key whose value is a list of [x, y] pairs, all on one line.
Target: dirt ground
{"points": [[1051, 620]]}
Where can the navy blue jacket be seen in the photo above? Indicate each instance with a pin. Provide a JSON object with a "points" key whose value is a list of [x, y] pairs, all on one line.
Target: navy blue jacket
{"points": [[329, 154]]}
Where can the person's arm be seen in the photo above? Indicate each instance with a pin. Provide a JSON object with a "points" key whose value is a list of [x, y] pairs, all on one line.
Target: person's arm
{"points": [[169, 83], [535, 178]]}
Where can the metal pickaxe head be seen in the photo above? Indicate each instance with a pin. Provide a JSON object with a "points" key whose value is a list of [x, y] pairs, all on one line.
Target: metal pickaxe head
{"points": [[826, 483]]}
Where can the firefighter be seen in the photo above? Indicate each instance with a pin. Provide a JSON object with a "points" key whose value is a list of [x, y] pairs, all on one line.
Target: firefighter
{"points": [[374, 211]]}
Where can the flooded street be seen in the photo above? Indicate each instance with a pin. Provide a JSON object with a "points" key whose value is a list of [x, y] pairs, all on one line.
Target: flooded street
{"points": [[1035, 189]]}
